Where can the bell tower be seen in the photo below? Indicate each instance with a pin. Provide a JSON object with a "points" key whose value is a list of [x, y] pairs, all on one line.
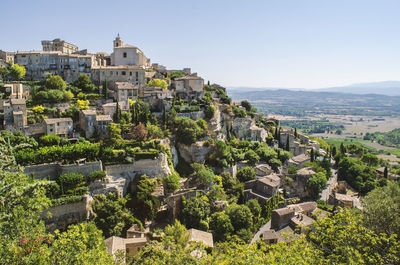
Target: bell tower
{"points": [[118, 42]]}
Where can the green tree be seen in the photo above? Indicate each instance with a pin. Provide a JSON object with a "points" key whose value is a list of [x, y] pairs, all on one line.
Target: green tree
{"points": [[171, 183], [154, 131], [83, 82], [158, 83], [251, 157], [194, 211], [221, 226], [55, 82], [209, 111], [177, 74], [381, 209], [176, 234], [246, 173], [80, 244], [370, 159], [17, 72], [202, 175], [317, 183], [240, 216], [188, 131], [111, 215], [254, 207], [146, 203]]}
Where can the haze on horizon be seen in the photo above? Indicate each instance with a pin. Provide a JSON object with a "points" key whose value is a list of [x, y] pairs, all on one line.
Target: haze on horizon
{"points": [[285, 43]]}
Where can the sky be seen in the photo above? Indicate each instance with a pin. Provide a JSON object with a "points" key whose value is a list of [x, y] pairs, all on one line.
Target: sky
{"points": [[253, 43]]}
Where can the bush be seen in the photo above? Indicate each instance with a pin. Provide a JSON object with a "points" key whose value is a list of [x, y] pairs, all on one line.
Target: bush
{"points": [[96, 175], [154, 132], [209, 111], [245, 174], [171, 183], [188, 131], [70, 181]]}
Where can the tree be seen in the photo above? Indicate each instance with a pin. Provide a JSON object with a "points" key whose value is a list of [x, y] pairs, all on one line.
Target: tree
{"points": [[80, 244], [370, 159], [177, 74], [70, 181], [251, 157], [246, 173], [188, 131], [17, 72], [385, 173], [275, 164], [247, 105], [113, 134], [83, 82], [221, 226], [317, 183], [171, 183], [381, 209], [240, 216], [254, 207], [216, 193], [287, 146], [209, 111], [158, 83], [194, 211], [176, 234], [105, 89], [111, 215], [154, 131], [117, 114], [312, 155], [139, 132], [82, 104], [202, 175], [55, 82], [146, 203]]}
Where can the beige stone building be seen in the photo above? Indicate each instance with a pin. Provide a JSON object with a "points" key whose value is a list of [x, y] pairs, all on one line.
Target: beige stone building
{"points": [[125, 54], [58, 126], [15, 89], [124, 91], [7, 57], [119, 73], [109, 108], [15, 114], [189, 86], [59, 45], [90, 122]]}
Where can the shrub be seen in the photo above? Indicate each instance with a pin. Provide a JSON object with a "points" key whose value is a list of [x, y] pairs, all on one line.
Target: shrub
{"points": [[209, 111], [70, 181], [96, 175], [246, 173]]}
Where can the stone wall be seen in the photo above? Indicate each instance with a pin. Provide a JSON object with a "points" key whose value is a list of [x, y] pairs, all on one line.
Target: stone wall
{"points": [[152, 167], [194, 115], [54, 170], [63, 215]]}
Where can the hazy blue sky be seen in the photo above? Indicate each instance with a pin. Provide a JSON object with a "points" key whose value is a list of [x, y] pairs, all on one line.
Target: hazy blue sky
{"points": [[281, 43]]}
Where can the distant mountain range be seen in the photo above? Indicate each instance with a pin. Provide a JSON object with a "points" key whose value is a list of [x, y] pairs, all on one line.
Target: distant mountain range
{"points": [[389, 88]]}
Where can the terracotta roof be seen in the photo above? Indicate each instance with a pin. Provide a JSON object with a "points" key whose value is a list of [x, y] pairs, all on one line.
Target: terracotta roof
{"points": [[118, 67], [188, 77], [125, 85], [201, 236], [39, 52]]}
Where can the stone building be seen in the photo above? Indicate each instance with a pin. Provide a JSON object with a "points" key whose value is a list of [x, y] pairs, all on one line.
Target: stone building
{"points": [[189, 86], [14, 114], [125, 54], [91, 122], [262, 189], [123, 91], [58, 126], [119, 73], [59, 45], [7, 57]]}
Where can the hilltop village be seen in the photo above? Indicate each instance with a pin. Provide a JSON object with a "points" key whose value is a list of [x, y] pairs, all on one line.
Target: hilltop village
{"points": [[149, 154]]}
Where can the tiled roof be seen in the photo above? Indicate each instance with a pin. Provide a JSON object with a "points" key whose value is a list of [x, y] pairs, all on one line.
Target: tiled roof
{"points": [[201, 236], [52, 121]]}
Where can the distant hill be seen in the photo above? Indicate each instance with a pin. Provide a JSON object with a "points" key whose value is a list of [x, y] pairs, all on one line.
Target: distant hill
{"points": [[388, 88]]}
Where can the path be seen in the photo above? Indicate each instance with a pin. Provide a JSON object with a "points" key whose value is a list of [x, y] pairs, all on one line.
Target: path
{"points": [[331, 183], [265, 227]]}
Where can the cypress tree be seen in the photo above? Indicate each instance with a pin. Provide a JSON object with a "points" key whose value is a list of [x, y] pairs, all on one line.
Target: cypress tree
{"points": [[287, 147], [312, 155], [342, 149], [117, 114], [334, 151], [105, 89], [385, 173], [295, 132]]}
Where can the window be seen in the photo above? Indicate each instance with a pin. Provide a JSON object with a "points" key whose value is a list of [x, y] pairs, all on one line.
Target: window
{"points": [[123, 73], [124, 55], [111, 73], [116, 72], [130, 73]]}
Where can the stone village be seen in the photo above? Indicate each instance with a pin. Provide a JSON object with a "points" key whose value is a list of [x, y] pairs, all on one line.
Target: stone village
{"points": [[143, 119]]}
